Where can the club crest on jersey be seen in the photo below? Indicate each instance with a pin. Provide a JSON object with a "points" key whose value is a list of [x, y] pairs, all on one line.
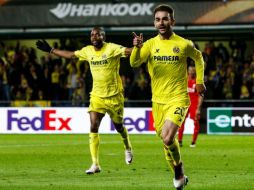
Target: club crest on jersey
{"points": [[176, 49], [103, 56]]}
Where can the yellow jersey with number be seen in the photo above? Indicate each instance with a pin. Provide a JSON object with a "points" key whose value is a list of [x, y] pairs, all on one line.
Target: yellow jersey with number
{"points": [[104, 65], [167, 66]]}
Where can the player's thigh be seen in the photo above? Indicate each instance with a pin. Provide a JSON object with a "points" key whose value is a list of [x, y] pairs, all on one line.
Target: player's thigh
{"points": [[158, 116], [116, 108], [175, 113], [169, 131], [97, 104]]}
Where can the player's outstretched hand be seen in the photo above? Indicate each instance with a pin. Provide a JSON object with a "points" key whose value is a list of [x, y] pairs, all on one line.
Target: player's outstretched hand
{"points": [[43, 46], [137, 40]]}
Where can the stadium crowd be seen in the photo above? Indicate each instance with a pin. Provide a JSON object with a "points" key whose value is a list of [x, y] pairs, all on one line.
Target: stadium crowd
{"points": [[229, 74]]}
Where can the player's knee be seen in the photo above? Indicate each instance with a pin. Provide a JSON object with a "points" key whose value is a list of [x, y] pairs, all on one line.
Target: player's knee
{"points": [[94, 129], [168, 140]]}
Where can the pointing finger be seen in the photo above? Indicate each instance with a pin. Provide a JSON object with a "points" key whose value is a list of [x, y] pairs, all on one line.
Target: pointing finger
{"points": [[141, 36], [134, 34]]}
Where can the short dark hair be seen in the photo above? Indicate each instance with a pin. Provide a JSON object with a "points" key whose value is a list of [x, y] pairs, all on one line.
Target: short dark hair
{"points": [[101, 30], [166, 8]]}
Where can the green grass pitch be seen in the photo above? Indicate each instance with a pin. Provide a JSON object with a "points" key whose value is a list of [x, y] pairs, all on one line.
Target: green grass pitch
{"points": [[54, 162]]}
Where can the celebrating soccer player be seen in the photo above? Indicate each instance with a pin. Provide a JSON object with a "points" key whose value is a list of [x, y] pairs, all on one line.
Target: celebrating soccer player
{"points": [[166, 58], [107, 92]]}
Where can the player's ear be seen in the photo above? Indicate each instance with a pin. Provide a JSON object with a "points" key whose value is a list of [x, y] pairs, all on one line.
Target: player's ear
{"points": [[173, 22], [103, 36]]}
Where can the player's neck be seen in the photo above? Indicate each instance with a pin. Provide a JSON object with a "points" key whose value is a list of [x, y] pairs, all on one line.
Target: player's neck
{"points": [[98, 47], [166, 35]]}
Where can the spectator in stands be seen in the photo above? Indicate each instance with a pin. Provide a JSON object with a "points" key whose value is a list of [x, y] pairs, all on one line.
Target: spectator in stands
{"points": [[127, 87], [41, 95], [4, 84], [227, 89], [20, 59], [76, 98], [223, 52], [24, 91], [34, 80], [46, 83], [210, 52], [228, 83], [245, 94], [141, 84], [72, 78], [55, 83], [238, 48], [215, 80]]}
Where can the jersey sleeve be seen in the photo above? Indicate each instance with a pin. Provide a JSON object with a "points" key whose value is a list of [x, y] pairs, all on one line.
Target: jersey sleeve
{"points": [[118, 50], [140, 55], [196, 55], [81, 54]]}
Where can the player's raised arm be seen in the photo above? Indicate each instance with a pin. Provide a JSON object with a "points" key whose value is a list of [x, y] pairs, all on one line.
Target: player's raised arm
{"points": [[137, 55], [44, 46]]}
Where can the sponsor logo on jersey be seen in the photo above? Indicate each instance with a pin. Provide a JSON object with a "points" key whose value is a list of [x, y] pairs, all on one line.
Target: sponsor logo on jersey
{"points": [[166, 59], [176, 50], [102, 62]]}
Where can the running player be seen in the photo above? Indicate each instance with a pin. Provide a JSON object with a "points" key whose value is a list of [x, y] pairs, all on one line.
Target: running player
{"points": [[107, 92], [194, 109], [166, 56]]}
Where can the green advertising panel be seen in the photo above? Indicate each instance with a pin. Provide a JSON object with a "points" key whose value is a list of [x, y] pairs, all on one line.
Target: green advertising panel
{"points": [[230, 120]]}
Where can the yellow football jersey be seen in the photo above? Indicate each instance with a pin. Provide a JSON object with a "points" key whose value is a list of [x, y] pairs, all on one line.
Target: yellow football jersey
{"points": [[104, 65], [167, 66]]}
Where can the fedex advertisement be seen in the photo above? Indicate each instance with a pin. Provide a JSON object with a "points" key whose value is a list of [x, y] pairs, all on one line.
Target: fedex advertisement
{"points": [[137, 120], [43, 120], [56, 120]]}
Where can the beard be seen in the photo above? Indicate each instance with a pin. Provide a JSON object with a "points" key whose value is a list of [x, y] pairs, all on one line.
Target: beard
{"points": [[166, 31], [97, 44]]}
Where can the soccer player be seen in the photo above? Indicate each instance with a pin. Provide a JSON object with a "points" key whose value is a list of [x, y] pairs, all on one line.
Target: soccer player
{"points": [[194, 109], [107, 92], [166, 55]]}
